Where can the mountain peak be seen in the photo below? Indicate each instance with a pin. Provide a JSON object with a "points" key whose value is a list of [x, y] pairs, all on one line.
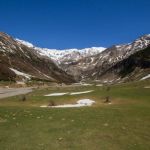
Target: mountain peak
{"points": [[66, 53], [28, 44]]}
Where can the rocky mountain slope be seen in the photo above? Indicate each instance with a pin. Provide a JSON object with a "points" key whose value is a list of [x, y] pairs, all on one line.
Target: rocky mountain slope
{"points": [[19, 62], [94, 66], [135, 67]]}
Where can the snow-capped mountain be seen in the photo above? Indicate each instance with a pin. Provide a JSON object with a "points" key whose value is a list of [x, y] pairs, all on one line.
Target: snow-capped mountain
{"points": [[64, 55], [19, 61], [94, 66]]}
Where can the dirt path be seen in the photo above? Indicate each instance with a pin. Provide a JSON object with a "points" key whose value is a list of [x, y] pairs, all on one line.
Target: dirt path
{"points": [[4, 92]]}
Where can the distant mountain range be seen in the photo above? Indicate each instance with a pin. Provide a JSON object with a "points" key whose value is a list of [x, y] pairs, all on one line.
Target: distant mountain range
{"points": [[66, 55], [22, 61]]}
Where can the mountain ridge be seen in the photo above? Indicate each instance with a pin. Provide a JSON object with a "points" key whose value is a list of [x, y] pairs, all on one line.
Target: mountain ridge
{"points": [[92, 67], [68, 54], [17, 60], [71, 65]]}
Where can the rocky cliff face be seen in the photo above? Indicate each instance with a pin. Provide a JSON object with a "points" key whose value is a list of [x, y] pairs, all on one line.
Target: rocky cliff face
{"points": [[20, 62]]}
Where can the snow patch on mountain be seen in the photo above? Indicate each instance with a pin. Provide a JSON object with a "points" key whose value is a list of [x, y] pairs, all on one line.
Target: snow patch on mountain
{"points": [[146, 77], [69, 54], [21, 73], [66, 54], [24, 43]]}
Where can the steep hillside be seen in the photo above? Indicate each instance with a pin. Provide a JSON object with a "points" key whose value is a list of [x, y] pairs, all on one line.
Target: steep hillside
{"points": [[19, 62], [92, 67], [135, 67]]}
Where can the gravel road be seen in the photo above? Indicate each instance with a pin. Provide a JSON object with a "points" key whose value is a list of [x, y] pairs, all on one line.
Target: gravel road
{"points": [[8, 92]]}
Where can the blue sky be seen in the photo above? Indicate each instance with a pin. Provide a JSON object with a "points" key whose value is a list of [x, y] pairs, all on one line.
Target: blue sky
{"points": [[75, 23]]}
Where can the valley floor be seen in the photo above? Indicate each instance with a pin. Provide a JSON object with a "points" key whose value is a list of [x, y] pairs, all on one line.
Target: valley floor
{"points": [[123, 125]]}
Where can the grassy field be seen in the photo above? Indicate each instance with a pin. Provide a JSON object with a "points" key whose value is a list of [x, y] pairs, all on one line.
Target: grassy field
{"points": [[123, 125]]}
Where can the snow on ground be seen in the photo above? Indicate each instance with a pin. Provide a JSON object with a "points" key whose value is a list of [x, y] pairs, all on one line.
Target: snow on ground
{"points": [[77, 93], [82, 84], [80, 103], [146, 77], [72, 93], [86, 84], [20, 73], [43, 106], [147, 87], [86, 102], [56, 94], [99, 85]]}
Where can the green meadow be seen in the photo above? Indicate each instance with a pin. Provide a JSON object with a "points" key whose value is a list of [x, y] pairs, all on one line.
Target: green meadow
{"points": [[122, 125]]}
